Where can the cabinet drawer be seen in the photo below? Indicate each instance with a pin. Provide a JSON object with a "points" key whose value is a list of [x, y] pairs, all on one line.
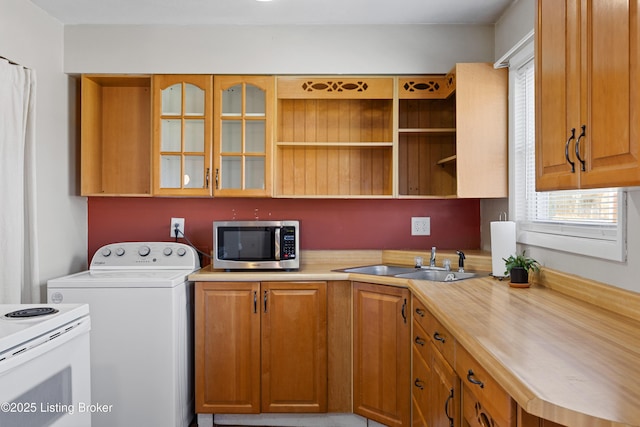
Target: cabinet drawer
{"points": [[420, 341], [483, 400], [420, 381], [438, 334]]}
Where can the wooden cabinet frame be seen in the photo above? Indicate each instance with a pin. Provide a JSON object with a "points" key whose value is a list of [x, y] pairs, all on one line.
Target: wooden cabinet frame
{"points": [[261, 347], [587, 94]]}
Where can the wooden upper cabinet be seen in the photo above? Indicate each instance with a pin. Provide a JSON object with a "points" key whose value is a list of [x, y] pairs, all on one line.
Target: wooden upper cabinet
{"points": [[452, 133], [334, 137], [115, 135], [587, 94], [243, 135], [182, 130]]}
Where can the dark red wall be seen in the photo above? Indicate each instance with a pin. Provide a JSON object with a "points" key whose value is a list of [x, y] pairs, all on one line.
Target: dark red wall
{"points": [[324, 224]]}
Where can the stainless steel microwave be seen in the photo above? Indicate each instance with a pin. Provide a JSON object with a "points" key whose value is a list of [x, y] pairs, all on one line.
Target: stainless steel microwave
{"points": [[256, 245]]}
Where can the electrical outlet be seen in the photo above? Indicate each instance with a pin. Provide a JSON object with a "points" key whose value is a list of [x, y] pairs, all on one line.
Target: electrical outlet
{"points": [[420, 226], [180, 222]]}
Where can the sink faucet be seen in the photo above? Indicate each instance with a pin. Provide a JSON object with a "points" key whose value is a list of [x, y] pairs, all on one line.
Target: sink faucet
{"points": [[432, 260], [461, 258]]}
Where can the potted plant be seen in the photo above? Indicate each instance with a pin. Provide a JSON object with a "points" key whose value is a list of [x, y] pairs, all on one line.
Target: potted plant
{"points": [[518, 266]]}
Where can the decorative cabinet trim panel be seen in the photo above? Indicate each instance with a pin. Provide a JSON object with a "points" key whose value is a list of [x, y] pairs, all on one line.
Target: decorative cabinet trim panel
{"points": [[335, 87], [425, 87]]}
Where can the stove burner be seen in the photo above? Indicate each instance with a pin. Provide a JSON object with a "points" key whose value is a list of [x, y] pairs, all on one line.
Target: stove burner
{"points": [[31, 312]]}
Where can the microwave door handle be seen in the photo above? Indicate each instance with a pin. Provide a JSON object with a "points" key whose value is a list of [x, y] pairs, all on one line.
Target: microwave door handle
{"points": [[277, 242]]}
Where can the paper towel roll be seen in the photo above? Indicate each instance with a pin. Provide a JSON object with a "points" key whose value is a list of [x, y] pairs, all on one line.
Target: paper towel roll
{"points": [[503, 244]]}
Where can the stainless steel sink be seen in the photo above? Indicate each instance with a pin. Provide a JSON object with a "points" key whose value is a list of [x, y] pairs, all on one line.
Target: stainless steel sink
{"points": [[380, 270], [436, 275]]}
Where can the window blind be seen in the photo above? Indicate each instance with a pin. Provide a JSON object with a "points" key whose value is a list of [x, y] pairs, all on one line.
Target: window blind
{"points": [[572, 220]]}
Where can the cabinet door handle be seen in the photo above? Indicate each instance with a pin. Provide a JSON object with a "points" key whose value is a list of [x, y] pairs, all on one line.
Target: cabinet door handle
{"points": [[255, 301], [582, 134], [217, 178], [265, 300], [418, 383], [446, 408], [420, 312], [206, 177], [473, 380], [438, 337], [404, 310], [566, 150], [420, 341]]}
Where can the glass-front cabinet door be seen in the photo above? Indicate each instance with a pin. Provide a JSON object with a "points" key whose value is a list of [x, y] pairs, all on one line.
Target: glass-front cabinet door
{"points": [[182, 129], [243, 135]]}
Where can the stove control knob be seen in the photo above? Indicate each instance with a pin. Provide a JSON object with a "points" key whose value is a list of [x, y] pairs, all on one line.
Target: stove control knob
{"points": [[106, 252], [167, 251], [120, 251], [144, 250], [182, 251]]}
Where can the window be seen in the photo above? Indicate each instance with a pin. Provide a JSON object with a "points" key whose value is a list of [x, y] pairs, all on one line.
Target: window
{"points": [[586, 222]]}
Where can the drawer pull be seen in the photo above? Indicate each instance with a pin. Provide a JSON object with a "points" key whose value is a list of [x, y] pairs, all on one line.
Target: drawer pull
{"points": [[420, 312], [582, 134], [255, 301], [566, 150], [438, 337], [472, 379], [446, 408], [404, 310], [420, 341], [418, 383], [484, 420]]}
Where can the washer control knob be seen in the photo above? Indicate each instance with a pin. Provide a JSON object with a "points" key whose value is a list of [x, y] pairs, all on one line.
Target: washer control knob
{"points": [[182, 251], [144, 251], [106, 252], [167, 251], [120, 251]]}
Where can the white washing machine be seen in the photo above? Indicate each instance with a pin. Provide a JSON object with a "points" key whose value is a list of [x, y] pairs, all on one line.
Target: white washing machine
{"points": [[141, 306]]}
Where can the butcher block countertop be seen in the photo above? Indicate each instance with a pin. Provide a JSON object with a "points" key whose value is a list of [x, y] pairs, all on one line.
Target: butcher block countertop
{"points": [[559, 356]]}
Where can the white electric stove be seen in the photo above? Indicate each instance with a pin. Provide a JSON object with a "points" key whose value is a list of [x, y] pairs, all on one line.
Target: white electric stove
{"points": [[44, 365], [142, 331]]}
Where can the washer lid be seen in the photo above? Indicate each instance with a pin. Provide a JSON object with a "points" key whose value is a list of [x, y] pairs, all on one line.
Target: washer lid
{"points": [[121, 279]]}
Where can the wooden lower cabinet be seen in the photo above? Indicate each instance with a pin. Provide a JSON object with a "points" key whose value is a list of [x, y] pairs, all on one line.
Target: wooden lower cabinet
{"points": [[260, 347], [436, 386], [484, 401], [381, 353]]}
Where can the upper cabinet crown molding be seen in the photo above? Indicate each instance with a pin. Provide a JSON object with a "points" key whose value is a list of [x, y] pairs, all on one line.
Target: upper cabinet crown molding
{"points": [[337, 87]]}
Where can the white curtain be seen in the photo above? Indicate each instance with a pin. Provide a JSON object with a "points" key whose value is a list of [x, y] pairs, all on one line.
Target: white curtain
{"points": [[19, 275]]}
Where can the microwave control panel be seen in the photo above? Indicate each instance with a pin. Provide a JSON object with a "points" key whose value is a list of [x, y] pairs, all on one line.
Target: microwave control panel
{"points": [[288, 243]]}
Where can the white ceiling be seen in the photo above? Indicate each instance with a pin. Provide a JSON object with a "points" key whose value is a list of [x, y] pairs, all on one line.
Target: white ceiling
{"points": [[275, 12]]}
